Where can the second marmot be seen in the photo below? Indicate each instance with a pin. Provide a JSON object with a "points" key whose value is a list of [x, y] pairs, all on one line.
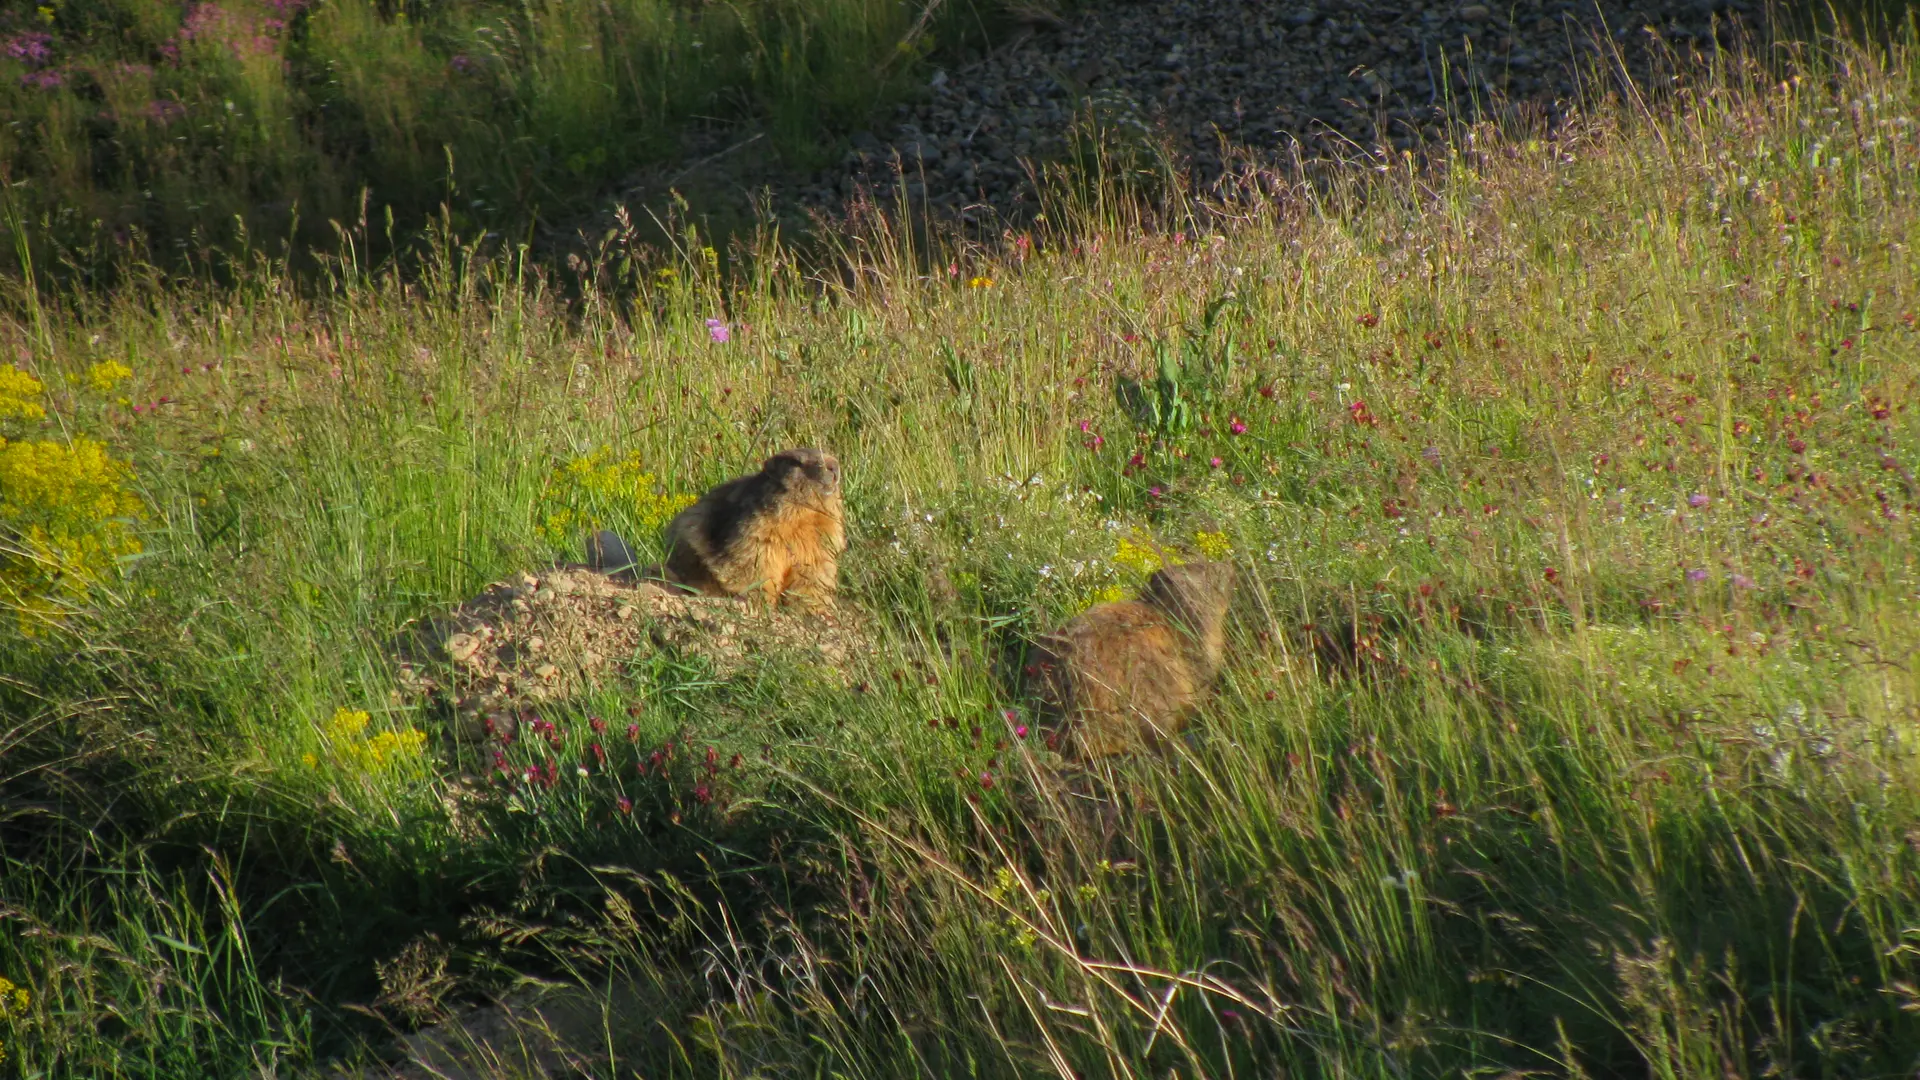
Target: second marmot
{"points": [[776, 534], [1123, 675]]}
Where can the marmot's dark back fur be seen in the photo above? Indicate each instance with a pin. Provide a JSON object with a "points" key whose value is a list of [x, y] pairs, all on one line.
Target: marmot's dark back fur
{"points": [[1130, 673], [777, 533]]}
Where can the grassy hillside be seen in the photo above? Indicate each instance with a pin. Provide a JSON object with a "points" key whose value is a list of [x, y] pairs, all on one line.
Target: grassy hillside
{"points": [[1597, 450], [179, 127]]}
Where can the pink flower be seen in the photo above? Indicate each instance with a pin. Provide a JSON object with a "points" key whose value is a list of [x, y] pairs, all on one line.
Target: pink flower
{"points": [[702, 794], [1697, 500], [598, 725], [1213, 462], [1238, 427], [625, 804], [1742, 581], [33, 49], [1696, 576], [718, 331], [633, 732], [1020, 732]]}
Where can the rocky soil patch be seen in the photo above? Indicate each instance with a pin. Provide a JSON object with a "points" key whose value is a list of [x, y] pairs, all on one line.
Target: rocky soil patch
{"points": [[551, 636], [1194, 75]]}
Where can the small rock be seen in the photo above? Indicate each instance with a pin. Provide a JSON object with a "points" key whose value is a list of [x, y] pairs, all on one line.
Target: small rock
{"points": [[461, 647]]}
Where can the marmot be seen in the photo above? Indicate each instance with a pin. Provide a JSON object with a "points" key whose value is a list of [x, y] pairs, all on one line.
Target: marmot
{"points": [[775, 534], [1126, 674]]}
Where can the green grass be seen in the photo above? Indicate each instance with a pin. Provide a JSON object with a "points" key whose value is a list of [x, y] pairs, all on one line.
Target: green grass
{"points": [[1604, 443], [183, 129]]}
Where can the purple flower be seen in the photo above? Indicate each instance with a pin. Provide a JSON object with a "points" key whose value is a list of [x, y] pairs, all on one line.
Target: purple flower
{"points": [[1697, 500], [1696, 576], [1742, 581], [718, 331], [1432, 454], [1213, 462], [32, 48], [461, 63], [161, 111], [1238, 427], [43, 80]]}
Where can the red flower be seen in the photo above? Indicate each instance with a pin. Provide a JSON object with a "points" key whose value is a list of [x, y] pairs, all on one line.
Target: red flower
{"points": [[702, 794], [1360, 414], [1369, 320], [598, 725], [625, 804]]}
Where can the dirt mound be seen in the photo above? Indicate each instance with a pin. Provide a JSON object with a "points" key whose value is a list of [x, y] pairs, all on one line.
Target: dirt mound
{"points": [[556, 635]]}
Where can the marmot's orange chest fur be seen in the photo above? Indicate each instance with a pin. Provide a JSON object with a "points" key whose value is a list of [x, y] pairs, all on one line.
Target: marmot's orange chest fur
{"points": [[1127, 674], [775, 534]]}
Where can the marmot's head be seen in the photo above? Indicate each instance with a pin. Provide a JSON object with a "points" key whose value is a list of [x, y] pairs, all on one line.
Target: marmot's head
{"points": [[805, 471], [1195, 593]]}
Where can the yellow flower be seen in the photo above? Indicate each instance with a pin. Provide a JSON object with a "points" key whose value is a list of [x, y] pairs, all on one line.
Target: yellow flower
{"points": [[346, 736], [392, 746], [1213, 545], [583, 493], [347, 724], [69, 519], [980, 282], [1112, 594], [1136, 557], [107, 374], [17, 393]]}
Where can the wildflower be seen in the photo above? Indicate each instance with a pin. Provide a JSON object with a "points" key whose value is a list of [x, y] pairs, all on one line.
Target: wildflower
{"points": [[718, 331], [986, 780], [461, 63], [1237, 426], [1136, 557], [1697, 500], [633, 732], [1369, 320], [107, 374], [1431, 454], [1796, 445], [1360, 414], [1213, 463], [625, 804], [1213, 545], [599, 754], [17, 393], [1696, 576], [33, 48], [1742, 581], [702, 794], [596, 724], [1020, 731], [980, 282]]}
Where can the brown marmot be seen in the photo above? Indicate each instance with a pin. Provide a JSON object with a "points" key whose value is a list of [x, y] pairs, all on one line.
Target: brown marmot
{"points": [[775, 534], [1128, 674]]}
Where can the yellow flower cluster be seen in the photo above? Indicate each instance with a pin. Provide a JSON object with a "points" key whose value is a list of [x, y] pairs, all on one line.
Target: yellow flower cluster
{"points": [[349, 745], [14, 1000], [1140, 558], [19, 393], [980, 282], [584, 492], [1212, 545], [67, 518], [107, 374]]}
